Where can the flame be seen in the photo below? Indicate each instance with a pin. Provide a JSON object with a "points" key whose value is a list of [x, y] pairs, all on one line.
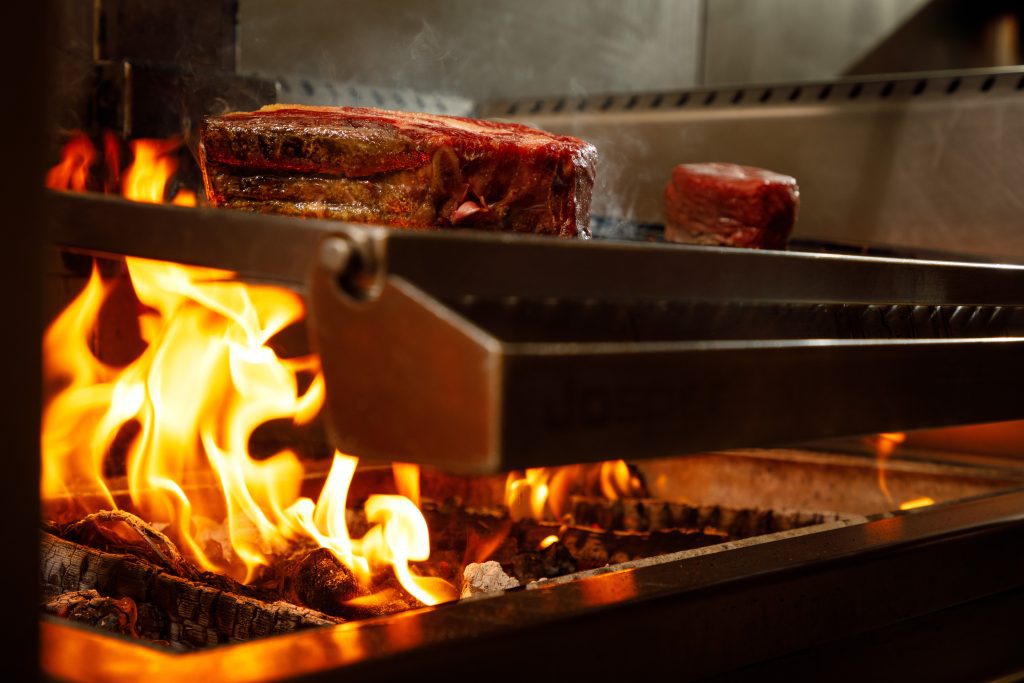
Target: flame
{"points": [[72, 172], [407, 480], [923, 501], [542, 492], [145, 180], [184, 198], [547, 541], [154, 163], [112, 161], [205, 381], [885, 444]]}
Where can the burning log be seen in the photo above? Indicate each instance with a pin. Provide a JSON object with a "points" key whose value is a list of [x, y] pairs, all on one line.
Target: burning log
{"points": [[185, 612], [317, 579], [118, 531], [649, 514]]}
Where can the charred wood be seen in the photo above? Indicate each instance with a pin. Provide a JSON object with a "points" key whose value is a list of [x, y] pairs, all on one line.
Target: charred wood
{"points": [[546, 563], [650, 514], [316, 579], [592, 548], [89, 607], [117, 531], [185, 612]]}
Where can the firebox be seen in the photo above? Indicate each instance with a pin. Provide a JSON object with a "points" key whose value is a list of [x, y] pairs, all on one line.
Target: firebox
{"points": [[280, 448]]}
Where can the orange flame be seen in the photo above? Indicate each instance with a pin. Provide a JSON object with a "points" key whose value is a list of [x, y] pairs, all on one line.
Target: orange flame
{"points": [[112, 161], [146, 179], [72, 172], [913, 503], [885, 444], [407, 480], [542, 492], [206, 380]]}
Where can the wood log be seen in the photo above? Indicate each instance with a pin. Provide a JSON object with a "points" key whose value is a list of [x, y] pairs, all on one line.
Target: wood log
{"points": [[651, 514], [117, 531], [315, 578], [181, 611]]}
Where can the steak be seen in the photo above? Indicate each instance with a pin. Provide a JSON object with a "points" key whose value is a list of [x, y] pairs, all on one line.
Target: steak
{"points": [[731, 205], [399, 169]]}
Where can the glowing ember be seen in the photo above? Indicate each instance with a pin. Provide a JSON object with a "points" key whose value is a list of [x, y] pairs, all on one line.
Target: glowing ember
{"points": [[923, 501], [189, 404]]}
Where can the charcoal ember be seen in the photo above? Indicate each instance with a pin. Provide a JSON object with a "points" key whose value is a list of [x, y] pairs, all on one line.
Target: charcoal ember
{"points": [[118, 615], [118, 531], [554, 560], [317, 579], [730, 205], [400, 169], [479, 578]]}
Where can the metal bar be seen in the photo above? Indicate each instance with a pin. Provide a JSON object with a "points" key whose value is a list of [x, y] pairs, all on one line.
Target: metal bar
{"points": [[702, 613], [254, 245], [453, 265], [569, 403]]}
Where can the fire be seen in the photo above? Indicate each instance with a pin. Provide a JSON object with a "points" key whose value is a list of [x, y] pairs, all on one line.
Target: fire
{"points": [[145, 180], [72, 173], [190, 402], [542, 492], [885, 444], [407, 480], [923, 501]]}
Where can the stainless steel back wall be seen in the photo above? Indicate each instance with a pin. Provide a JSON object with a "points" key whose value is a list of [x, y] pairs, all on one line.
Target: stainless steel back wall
{"points": [[917, 161]]}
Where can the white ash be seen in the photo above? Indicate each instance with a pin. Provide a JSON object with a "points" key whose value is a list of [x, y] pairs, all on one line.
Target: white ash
{"points": [[486, 577]]}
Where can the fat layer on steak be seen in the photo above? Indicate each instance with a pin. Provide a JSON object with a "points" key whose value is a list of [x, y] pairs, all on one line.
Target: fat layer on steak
{"points": [[399, 169], [732, 205]]}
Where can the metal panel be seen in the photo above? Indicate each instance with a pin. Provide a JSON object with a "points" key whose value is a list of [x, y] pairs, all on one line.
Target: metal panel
{"points": [[931, 162], [753, 41], [298, 89], [479, 49]]}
